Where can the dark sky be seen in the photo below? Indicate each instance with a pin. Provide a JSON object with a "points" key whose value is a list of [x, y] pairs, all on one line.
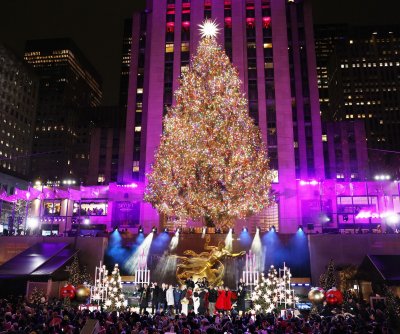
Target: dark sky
{"points": [[97, 25]]}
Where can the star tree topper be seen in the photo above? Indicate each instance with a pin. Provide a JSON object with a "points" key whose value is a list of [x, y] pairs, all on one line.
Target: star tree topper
{"points": [[209, 29]]}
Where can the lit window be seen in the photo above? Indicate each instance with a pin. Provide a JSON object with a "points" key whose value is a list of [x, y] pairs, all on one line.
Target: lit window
{"points": [[138, 128], [325, 137], [185, 47], [169, 48], [267, 45], [101, 178], [139, 91], [135, 166]]}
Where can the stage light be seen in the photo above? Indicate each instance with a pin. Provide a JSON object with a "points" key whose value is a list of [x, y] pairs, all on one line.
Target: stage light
{"points": [[392, 218], [272, 229], [140, 229], [166, 230], [86, 221], [203, 233], [154, 230], [229, 240], [175, 240], [257, 229], [32, 223], [244, 229], [300, 228]]}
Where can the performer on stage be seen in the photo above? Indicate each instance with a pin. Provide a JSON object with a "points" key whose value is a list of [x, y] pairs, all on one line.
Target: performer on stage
{"points": [[242, 284], [224, 300], [170, 299], [155, 291], [144, 298], [240, 303], [196, 300], [212, 299]]}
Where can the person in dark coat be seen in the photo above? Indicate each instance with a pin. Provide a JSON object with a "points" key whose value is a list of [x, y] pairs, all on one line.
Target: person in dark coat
{"points": [[177, 299], [155, 290], [190, 283], [144, 298], [162, 297], [240, 303], [212, 299]]}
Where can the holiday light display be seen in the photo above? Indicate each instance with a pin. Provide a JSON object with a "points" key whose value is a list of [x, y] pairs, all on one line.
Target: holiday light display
{"points": [[274, 291], [115, 298], [211, 163]]}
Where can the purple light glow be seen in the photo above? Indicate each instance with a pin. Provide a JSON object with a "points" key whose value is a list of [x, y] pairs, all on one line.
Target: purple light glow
{"points": [[311, 183]]}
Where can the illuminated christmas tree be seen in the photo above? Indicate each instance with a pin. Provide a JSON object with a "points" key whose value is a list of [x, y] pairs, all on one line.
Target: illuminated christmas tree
{"points": [[115, 298], [211, 163], [74, 276], [265, 296]]}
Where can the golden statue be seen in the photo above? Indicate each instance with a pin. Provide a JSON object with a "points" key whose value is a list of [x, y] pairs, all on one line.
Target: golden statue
{"points": [[206, 264]]}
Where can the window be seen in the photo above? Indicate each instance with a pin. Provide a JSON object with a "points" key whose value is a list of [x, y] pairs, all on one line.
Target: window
{"points": [[169, 48], [101, 178]]}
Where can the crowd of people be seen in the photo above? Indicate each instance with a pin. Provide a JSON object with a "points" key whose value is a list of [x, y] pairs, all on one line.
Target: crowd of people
{"points": [[20, 316], [198, 297]]}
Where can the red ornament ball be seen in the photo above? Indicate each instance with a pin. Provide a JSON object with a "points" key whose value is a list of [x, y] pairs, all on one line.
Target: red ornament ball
{"points": [[334, 297], [68, 291]]}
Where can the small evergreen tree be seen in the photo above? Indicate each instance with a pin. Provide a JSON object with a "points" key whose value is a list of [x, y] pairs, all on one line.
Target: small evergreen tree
{"points": [[115, 298], [392, 308], [266, 294], [328, 279], [67, 302], [331, 276], [37, 296], [74, 277]]}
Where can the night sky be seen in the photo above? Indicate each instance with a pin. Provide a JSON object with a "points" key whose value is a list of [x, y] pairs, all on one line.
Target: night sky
{"points": [[96, 26]]}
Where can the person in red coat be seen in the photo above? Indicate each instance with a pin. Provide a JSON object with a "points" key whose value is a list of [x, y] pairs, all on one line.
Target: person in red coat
{"points": [[219, 305], [224, 300]]}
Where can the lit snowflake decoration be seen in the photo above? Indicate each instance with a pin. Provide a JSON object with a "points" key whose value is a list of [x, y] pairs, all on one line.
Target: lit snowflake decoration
{"points": [[209, 29]]}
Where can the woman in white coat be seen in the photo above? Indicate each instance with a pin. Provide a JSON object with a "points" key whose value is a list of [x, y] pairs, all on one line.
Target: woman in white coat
{"points": [[196, 300], [170, 299]]}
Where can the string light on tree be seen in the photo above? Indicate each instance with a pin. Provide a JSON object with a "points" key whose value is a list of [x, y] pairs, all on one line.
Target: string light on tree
{"points": [[211, 163]]}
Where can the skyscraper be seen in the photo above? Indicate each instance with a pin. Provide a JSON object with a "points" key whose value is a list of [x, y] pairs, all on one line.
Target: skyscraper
{"points": [[68, 85], [364, 80], [271, 43], [18, 102]]}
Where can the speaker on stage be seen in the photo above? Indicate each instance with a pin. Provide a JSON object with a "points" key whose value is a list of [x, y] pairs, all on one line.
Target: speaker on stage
{"points": [[310, 227]]}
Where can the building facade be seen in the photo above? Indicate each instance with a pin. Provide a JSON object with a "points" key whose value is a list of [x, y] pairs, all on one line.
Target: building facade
{"points": [[273, 49], [363, 76], [18, 103], [345, 150], [68, 85], [106, 145]]}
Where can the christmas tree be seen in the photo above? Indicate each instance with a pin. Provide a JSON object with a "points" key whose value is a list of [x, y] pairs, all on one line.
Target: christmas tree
{"points": [[265, 296], [115, 298], [37, 296], [392, 310], [74, 277], [328, 279], [211, 163]]}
